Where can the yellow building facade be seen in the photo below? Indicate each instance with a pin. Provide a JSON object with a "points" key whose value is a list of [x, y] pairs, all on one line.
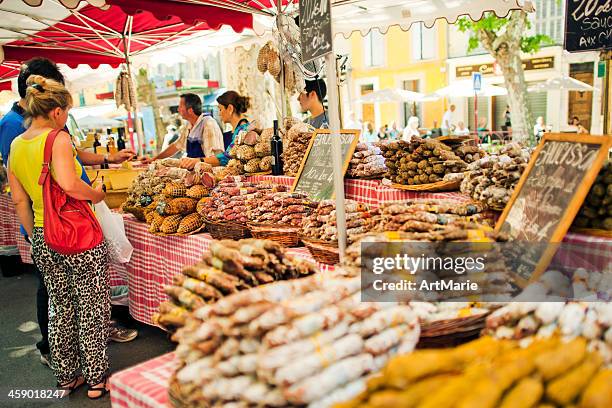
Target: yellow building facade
{"points": [[413, 60]]}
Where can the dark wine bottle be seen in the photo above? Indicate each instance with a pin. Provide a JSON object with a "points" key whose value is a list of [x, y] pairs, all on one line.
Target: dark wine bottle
{"points": [[277, 151], [120, 141]]}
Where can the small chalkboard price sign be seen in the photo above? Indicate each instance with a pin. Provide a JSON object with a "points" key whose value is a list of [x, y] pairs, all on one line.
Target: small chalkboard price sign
{"points": [[315, 29], [551, 190], [588, 25], [316, 174]]}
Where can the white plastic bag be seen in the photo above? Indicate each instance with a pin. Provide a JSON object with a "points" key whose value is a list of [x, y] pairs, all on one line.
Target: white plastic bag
{"points": [[119, 247]]}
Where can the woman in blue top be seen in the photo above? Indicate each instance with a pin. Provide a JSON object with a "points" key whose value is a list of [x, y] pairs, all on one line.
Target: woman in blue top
{"points": [[232, 109]]}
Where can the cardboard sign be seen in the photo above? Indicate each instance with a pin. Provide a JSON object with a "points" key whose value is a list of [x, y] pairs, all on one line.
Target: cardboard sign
{"points": [[316, 174], [315, 29], [587, 25], [552, 189]]}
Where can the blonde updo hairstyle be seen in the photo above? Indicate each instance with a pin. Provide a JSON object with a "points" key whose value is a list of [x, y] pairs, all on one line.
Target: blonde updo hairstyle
{"points": [[43, 95]]}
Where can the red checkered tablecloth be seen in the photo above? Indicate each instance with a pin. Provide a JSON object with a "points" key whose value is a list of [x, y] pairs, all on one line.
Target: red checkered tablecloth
{"points": [[8, 219], [156, 260], [145, 385]]}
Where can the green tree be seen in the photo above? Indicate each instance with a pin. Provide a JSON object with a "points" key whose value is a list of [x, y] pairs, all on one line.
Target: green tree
{"points": [[505, 38]]}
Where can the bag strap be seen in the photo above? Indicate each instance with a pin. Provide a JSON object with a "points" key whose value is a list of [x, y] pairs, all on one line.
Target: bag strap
{"points": [[44, 173]]}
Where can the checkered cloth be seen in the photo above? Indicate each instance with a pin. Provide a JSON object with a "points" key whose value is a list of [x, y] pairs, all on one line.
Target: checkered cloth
{"points": [[8, 219], [156, 260], [586, 251], [145, 385]]}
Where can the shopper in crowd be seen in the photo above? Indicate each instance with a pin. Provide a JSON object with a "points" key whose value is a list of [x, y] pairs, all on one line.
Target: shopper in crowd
{"points": [[447, 121], [232, 109], [539, 128], [394, 133], [461, 129], [170, 137], [507, 117], [77, 284], [579, 128], [311, 101], [11, 126], [201, 138], [412, 129], [483, 129], [369, 134], [383, 133]]}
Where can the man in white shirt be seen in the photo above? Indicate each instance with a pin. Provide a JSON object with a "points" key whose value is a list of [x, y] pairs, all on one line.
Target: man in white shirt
{"points": [[447, 121], [202, 138], [461, 130]]}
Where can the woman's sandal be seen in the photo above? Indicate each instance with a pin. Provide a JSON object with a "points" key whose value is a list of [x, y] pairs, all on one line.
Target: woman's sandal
{"points": [[101, 389], [71, 386]]}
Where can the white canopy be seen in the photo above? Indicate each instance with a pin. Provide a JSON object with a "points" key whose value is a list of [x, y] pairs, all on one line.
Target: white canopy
{"points": [[563, 83], [97, 122], [465, 88], [364, 15], [391, 95]]}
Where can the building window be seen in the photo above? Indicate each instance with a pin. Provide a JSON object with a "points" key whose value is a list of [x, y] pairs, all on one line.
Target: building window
{"points": [[374, 49], [548, 19], [368, 112], [423, 42], [411, 108]]}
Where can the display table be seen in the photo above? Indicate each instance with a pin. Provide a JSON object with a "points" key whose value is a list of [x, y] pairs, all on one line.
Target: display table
{"points": [[145, 385], [156, 260]]}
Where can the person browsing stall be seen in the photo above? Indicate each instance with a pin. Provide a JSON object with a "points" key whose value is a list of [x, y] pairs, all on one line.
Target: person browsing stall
{"points": [[201, 138], [311, 101], [11, 126], [232, 109], [77, 283]]}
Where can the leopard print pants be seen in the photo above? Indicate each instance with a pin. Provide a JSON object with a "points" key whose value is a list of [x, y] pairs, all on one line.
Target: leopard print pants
{"points": [[80, 299]]}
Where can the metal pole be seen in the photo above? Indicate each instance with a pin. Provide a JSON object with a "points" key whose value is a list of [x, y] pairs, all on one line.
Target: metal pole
{"points": [[337, 159], [606, 94], [281, 55], [141, 148], [476, 110]]}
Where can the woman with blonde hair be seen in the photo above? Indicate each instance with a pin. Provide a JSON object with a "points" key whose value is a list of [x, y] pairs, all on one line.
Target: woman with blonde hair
{"points": [[77, 284]]}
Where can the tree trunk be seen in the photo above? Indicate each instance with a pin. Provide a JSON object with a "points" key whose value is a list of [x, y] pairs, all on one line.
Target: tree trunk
{"points": [[514, 79], [506, 49]]}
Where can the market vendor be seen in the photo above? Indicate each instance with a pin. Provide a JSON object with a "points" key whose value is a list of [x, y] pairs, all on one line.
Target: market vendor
{"points": [[311, 101], [201, 138], [232, 109]]}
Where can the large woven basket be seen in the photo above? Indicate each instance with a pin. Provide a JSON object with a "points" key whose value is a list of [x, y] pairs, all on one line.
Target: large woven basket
{"points": [[285, 235], [451, 332], [138, 212], [322, 251], [430, 187], [227, 230]]}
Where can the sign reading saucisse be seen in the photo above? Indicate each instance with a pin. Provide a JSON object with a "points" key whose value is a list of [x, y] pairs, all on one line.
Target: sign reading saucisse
{"points": [[315, 28], [316, 174], [588, 25], [551, 191]]}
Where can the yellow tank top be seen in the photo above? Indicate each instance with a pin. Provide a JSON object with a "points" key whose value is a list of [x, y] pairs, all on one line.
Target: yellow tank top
{"points": [[25, 161]]}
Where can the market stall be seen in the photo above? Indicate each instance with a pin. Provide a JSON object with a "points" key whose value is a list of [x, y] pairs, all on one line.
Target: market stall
{"points": [[256, 325]]}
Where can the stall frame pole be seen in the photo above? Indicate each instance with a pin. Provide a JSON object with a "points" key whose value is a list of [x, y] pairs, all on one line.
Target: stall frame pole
{"points": [[337, 159], [127, 42]]}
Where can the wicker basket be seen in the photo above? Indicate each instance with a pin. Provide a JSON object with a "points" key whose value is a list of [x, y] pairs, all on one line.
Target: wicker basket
{"points": [[176, 234], [227, 230], [430, 187], [324, 252], [593, 232], [138, 212], [285, 235], [452, 332], [175, 398]]}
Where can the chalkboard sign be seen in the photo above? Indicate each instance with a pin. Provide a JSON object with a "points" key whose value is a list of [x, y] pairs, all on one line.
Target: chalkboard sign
{"points": [[588, 25], [551, 191], [315, 28], [316, 174]]}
